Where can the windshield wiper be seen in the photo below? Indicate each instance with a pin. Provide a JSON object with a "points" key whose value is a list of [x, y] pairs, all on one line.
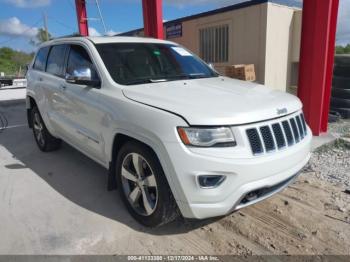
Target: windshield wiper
{"points": [[166, 78], [138, 81], [188, 76], [145, 81]]}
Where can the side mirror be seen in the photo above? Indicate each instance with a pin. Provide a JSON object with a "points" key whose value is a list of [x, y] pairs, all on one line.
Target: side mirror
{"points": [[83, 76]]}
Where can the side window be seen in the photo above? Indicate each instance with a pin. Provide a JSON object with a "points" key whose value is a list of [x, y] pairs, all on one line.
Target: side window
{"points": [[40, 60], [55, 61], [78, 59]]}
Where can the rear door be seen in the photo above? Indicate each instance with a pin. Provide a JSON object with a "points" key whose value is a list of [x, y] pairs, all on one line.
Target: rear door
{"points": [[53, 85], [35, 77]]}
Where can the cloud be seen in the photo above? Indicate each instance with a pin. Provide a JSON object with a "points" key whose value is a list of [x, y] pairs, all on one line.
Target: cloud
{"points": [[14, 27], [343, 31], [112, 33], [28, 3], [93, 32]]}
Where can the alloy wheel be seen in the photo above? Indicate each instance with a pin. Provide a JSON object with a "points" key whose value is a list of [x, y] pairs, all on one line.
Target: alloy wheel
{"points": [[139, 184], [39, 129]]}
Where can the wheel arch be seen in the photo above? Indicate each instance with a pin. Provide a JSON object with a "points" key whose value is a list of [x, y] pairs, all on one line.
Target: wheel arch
{"points": [[156, 147], [119, 139], [30, 103]]}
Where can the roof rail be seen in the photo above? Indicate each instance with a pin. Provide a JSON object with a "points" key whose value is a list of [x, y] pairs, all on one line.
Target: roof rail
{"points": [[68, 36]]}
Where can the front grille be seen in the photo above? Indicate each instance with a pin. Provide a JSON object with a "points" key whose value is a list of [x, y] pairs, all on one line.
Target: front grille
{"points": [[267, 138], [300, 127], [278, 135], [255, 142], [295, 130], [288, 132], [277, 130]]}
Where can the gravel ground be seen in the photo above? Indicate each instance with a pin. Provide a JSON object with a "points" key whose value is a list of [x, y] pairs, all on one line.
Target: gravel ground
{"points": [[340, 128], [331, 163]]}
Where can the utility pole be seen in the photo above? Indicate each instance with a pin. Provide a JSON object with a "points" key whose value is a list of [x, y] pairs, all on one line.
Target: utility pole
{"points": [[45, 27]]}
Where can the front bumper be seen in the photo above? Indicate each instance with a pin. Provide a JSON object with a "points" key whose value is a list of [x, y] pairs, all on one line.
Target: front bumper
{"points": [[269, 174]]}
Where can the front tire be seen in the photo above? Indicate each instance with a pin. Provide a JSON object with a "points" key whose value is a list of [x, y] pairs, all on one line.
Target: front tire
{"points": [[143, 186], [45, 141]]}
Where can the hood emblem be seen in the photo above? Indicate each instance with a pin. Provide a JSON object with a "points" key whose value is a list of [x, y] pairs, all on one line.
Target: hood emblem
{"points": [[281, 111]]}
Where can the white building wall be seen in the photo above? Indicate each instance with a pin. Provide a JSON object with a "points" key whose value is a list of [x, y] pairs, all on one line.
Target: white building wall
{"points": [[279, 46]]}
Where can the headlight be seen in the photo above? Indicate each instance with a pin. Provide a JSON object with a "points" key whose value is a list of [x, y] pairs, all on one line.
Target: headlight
{"points": [[207, 137]]}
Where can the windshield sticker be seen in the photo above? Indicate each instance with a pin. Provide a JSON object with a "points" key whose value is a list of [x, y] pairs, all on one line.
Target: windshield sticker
{"points": [[181, 51]]}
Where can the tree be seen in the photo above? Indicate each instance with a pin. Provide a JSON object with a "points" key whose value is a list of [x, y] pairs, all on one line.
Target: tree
{"points": [[12, 62], [342, 49], [41, 37]]}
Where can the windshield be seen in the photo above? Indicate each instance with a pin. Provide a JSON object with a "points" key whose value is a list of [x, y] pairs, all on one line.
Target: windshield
{"points": [[138, 63]]}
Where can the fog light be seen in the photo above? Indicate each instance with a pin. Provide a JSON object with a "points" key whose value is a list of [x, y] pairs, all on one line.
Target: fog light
{"points": [[210, 181]]}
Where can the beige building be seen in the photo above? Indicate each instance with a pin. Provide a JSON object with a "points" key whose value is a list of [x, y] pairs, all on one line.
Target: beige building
{"points": [[262, 33]]}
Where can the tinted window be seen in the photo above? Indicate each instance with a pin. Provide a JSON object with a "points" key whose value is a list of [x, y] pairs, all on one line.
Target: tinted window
{"points": [[40, 60], [137, 63], [79, 58], [55, 61]]}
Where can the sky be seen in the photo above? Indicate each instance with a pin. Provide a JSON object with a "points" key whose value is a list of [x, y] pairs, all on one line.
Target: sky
{"points": [[20, 19]]}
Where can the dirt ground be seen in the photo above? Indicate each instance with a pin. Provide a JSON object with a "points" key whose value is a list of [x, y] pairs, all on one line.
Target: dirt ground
{"points": [[303, 219], [57, 203]]}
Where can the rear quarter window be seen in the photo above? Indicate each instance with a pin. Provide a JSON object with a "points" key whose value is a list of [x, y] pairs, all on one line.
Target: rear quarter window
{"points": [[40, 59]]}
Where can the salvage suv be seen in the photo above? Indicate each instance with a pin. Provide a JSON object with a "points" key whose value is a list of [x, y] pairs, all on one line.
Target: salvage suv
{"points": [[176, 137]]}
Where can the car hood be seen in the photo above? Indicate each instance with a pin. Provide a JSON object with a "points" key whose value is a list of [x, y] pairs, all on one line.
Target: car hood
{"points": [[215, 101]]}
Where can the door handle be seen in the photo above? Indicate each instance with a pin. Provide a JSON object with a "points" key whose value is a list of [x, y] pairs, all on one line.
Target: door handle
{"points": [[40, 79], [63, 87]]}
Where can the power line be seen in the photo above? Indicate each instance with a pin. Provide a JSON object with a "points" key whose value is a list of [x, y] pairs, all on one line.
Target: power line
{"points": [[102, 20], [71, 4], [61, 23]]}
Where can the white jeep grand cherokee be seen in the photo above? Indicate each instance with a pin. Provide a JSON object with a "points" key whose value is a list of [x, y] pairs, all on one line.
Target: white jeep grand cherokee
{"points": [[176, 137]]}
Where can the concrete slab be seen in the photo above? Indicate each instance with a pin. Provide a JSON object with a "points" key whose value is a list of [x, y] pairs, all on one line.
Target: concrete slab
{"points": [[9, 94], [58, 203], [318, 141]]}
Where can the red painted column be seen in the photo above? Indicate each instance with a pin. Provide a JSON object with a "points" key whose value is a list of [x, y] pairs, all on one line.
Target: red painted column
{"points": [[82, 17], [153, 18], [316, 61]]}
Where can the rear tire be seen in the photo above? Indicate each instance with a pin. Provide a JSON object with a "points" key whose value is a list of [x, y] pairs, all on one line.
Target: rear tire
{"points": [[143, 186], [340, 103], [343, 60], [45, 141], [344, 112], [342, 70], [341, 82], [341, 93]]}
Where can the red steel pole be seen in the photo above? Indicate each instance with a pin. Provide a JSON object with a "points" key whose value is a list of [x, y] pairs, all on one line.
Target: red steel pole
{"points": [[316, 61], [82, 17], [153, 18]]}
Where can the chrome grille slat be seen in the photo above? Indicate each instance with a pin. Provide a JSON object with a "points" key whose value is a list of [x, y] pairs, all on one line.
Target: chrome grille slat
{"points": [[261, 139], [278, 134], [288, 131], [300, 127], [303, 122], [295, 130], [267, 138]]}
